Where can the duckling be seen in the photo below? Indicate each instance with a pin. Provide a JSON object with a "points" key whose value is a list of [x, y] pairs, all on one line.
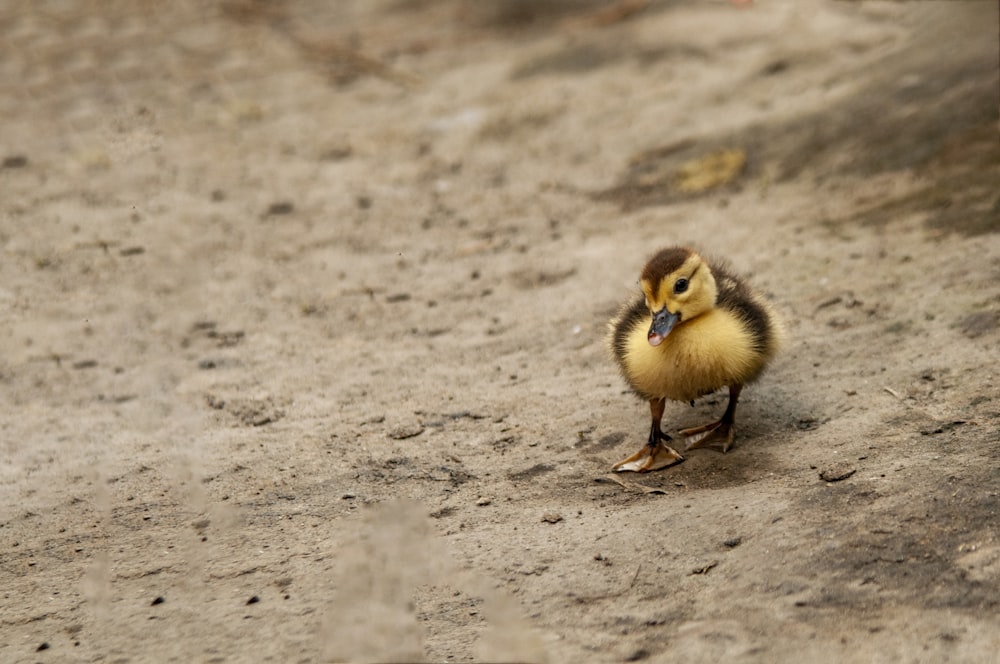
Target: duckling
{"points": [[696, 328]]}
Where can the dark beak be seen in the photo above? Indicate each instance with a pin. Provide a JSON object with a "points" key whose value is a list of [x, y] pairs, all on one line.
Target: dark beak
{"points": [[663, 322]]}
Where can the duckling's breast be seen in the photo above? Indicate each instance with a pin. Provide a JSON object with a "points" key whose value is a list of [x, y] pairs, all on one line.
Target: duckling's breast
{"points": [[697, 357]]}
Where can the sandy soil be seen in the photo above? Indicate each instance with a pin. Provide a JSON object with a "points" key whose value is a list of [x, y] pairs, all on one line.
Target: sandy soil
{"points": [[303, 308]]}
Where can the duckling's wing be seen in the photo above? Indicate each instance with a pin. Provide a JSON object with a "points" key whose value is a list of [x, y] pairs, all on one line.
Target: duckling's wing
{"points": [[632, 314], [737, 297]]}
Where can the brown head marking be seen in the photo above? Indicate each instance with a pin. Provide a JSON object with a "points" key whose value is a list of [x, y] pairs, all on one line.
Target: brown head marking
{"points": [[665, 262]]}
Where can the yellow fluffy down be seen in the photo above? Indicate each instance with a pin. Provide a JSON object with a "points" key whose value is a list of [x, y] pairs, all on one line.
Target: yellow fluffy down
{"points": [[697, 357]]}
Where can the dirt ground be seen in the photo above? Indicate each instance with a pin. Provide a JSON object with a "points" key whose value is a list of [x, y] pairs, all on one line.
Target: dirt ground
{"points": [[303, 314]]}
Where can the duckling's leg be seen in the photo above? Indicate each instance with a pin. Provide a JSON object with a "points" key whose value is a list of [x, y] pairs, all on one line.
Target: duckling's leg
{"points": [[655, 454], [722, 430]]}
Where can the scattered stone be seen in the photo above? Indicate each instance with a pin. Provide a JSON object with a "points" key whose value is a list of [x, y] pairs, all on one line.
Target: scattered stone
{"points": [[159, 600], [704, 569], [483, 501], [733, 542], [44, 645], [538, 570], [406, 430], [551, 517], [254, 412], [253, 600], [837, 472]]}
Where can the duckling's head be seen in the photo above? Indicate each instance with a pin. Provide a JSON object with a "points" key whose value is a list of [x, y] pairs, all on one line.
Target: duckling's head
{"points": [[678, 285]]}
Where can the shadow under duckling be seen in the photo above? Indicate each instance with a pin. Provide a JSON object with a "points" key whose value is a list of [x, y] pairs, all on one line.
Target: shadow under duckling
{"points": [[696, 328]]}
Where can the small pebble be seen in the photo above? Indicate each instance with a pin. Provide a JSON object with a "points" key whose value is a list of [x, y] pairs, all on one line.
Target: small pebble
{"points": [[551, 517], [158, 600], [406, 430], [704, 569], [837, 472], [483, 502], [253, 600]]}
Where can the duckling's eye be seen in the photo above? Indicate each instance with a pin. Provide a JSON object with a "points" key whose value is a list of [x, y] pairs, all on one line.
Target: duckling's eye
{"points": [[680, 285]]}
